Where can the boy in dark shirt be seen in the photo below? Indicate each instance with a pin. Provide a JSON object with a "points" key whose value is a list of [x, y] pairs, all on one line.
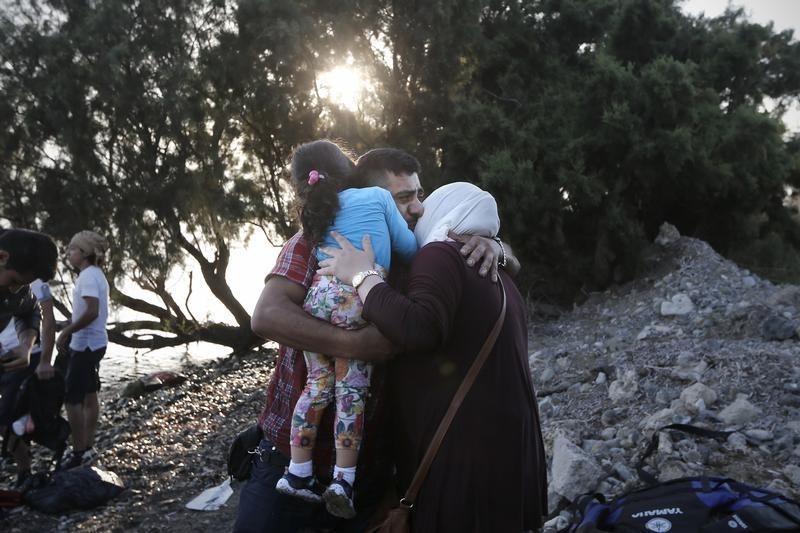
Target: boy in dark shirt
{"points": [[25, 255]]}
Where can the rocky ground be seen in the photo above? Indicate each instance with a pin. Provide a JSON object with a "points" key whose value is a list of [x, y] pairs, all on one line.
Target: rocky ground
{"points": [[167, 447], [694, 339]]}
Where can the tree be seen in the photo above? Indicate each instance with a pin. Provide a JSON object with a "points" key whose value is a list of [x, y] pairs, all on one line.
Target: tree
{"points": [[591, 121], [594, 122], [166, 125]]}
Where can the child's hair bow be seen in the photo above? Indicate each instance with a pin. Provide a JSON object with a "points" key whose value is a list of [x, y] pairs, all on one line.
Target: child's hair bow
{"points": [[314, 177]]}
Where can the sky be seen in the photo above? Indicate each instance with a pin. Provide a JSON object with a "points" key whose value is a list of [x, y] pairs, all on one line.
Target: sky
{"points": [[784, 14]]}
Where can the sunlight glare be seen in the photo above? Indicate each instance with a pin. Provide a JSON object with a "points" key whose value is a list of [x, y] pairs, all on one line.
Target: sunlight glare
{"points": [[343, 86]]}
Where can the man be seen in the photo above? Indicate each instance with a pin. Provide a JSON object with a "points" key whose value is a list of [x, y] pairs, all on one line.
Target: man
{"points": [[87, 338], [24, 256], [279, 316]]}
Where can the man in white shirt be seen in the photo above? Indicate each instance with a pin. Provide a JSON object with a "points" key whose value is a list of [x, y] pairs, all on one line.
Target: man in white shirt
{"points": [[86, 253]]}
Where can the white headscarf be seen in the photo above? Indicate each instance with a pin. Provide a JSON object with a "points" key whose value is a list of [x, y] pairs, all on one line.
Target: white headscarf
{"points": [[461, 207]]}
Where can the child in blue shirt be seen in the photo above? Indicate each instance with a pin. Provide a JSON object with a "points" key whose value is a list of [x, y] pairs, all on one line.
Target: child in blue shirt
{"points": [[329, 201]]}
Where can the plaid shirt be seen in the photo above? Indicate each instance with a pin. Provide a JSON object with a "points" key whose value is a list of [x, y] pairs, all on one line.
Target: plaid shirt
{"points": [[298, 263]]}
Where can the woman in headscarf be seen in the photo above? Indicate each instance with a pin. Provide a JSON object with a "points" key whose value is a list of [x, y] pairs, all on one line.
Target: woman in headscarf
{"points": [[490, 471]]}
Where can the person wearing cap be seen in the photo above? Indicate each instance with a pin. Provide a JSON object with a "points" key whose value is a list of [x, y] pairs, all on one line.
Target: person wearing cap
{"points": [[86, 253]]}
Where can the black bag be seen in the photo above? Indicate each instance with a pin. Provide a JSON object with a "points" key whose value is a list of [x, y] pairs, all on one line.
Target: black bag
{"points": [[43, 400], [240, 453], [83, 487], [689, 505]]}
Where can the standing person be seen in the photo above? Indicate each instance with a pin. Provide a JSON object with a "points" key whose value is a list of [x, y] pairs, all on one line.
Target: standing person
{"points": [[476, 482], [25, 255], [279, 316], [329, 201], [86, 253]]}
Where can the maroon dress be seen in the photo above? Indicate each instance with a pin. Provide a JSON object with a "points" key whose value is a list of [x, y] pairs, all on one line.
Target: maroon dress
{"points": [[490, 472]]}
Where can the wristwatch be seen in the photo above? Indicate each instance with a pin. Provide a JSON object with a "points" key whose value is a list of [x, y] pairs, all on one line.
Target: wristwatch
{"points": [[359, 278]]}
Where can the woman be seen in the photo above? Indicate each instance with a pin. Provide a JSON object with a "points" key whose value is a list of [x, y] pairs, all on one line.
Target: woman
{"points": [[490, 471]]}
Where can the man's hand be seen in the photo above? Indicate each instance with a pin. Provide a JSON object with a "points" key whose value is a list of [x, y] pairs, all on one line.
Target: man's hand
{"points": [[44, 370], [479, 250], [61, 340], [19, 359], [348, 261]]}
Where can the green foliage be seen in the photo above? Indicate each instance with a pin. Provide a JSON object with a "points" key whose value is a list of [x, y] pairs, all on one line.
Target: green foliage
{"points": [[168, 124], [594, 122], [164, 124]]}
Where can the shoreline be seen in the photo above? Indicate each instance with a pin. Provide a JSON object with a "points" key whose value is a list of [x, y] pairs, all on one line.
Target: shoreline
{"points": [[167, 447]]}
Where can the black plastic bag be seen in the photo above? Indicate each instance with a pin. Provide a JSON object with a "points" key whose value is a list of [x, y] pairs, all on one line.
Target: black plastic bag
{"points": [[43, 400], [239, 454], [84, 487]]}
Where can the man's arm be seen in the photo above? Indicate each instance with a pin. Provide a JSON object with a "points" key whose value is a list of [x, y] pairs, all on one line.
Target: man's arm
{"points": [[47, 338], [279, 316], [22, 353], [92, 312], [486, 252], [27, 321], [513, 265]]}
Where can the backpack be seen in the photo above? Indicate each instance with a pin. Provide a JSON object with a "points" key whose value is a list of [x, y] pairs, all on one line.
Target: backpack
{"points": [[240, 453], [689, 505], [42, 399]]}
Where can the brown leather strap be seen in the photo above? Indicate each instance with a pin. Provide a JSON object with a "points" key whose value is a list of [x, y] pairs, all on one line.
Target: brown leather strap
{"points": [[422, 471]]}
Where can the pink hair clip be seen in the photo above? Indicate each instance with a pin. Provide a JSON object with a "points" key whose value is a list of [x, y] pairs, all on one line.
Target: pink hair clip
{"points": [[314, 177]]}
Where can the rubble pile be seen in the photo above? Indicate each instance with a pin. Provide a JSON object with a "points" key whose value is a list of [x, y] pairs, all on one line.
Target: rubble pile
{"points": [[693, 340]]}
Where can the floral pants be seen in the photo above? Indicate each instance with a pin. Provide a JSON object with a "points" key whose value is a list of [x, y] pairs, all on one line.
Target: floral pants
{"points": [[345, 381]]}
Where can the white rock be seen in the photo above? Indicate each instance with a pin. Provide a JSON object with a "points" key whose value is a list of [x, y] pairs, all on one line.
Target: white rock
{"points": [[740, 412], [653, 331], [658, 419], [692, 395], [737, 441], [667, 234], [792, 473], [760, 435], [624, 388], [574, 472], [680, 304], [556, 524]]}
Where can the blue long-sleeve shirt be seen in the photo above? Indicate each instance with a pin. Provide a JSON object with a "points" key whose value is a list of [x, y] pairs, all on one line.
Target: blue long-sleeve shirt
{"points": [[372, 210]]}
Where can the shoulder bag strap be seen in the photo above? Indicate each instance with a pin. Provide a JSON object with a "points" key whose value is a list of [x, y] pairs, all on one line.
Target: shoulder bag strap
{"points": [[422, 471]]}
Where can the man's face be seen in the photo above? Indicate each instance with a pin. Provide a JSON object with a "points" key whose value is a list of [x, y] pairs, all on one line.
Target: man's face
{"points": [[75, 255], [11, 279], [408, 195]]}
